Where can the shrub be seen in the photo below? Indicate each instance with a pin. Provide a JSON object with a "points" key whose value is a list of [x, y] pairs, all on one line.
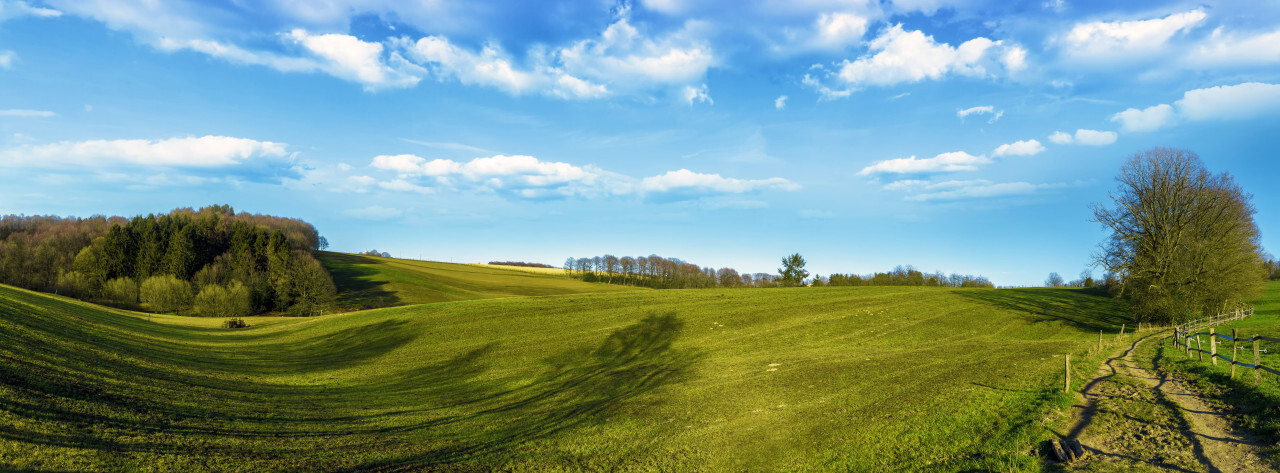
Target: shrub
{"points": [[121, 290], [231, 300], [234, 323], [165, 293], [73, 284]]}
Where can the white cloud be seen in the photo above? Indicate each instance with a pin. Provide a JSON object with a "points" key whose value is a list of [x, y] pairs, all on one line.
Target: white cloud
{"points": [[1149, 119], [1095, 138], [1224, 49], [17, 9], [945, 162], [911, 56], [6, 59], [1019, 148], [1015, 58], [780, 102], [402, 185], [374, 212], [697, 94], [975, 189], [188, 152], [687, 180], [348, 57], [837, 30], [26, 113], [1061, 138], [238, 55], [981, 110], [1230, 102], [529, 177], [620, 60], [1113, 40]]}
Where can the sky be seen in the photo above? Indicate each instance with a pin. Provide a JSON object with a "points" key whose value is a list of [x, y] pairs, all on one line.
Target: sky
{"points": [[965, 136]]}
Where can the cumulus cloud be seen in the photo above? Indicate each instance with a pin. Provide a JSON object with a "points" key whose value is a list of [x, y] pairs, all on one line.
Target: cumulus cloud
{"points": [[26, 113], [686, 180], [348, 57], [1084, 137], [1148, 119], [1095, 138], [945, 162], [1230, 102], [189, 152], [780, 102], [911, 56], [840, 29], [172, 161], [1225, 49], [1019, 148], [529, 177], [1114, 40], [697, 94]]}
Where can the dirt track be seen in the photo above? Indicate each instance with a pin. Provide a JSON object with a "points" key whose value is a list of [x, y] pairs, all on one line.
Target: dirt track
{"points": [[1133, 418]]}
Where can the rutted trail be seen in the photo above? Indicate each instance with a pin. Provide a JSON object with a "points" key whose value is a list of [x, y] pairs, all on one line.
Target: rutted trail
{"points": [[1157, 421]]}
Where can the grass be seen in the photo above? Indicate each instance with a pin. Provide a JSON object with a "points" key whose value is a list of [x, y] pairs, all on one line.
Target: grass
{"points": [[367, 282], [1256, 407], [801, 379]]}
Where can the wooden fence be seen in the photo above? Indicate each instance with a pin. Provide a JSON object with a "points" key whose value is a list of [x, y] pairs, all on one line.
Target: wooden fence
{"points": [[1184, 336]]}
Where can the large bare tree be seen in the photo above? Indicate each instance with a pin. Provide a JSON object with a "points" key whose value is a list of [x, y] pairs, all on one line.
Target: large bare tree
{"points": [[1183, 241]]}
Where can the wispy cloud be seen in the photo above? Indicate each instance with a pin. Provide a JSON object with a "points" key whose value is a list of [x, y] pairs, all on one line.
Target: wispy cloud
{"points": [[26, 113], [1084, 137], [945, 162]]}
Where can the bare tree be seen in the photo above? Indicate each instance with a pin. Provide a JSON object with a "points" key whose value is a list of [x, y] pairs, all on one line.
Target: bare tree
{"points": [[1183, 241], [1054, 280]]}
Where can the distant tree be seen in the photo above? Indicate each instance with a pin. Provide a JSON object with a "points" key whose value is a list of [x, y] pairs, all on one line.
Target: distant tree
{"points": [[121, 290], [792, 272], [570, 264], [1183, 241], [1054, 280], [324, 244]]}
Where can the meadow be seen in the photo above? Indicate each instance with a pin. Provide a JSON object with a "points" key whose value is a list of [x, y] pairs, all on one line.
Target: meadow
{"points": [[799, 379]]}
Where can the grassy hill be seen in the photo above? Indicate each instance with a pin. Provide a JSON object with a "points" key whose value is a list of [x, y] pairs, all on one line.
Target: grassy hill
{"points": [[366, 282], [809, 379]]}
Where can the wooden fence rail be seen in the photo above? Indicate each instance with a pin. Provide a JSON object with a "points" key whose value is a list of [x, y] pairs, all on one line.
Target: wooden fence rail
{"points": [[1184, 339]]}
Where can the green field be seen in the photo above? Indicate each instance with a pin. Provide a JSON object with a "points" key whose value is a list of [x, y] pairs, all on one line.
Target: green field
{"points": [[367, 282], [806, 379]]}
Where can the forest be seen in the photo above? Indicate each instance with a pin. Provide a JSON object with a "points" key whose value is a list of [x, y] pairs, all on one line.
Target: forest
{"points": [[210, 261], [672, 273]]}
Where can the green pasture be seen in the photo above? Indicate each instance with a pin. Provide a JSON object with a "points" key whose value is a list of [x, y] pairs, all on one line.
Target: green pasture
{"points": [[800, 379], [366, 282]]}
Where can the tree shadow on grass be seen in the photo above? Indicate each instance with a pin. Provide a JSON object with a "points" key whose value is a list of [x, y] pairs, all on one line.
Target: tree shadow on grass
{"points": [[353, 277], [577, 388], [1087, 311]]}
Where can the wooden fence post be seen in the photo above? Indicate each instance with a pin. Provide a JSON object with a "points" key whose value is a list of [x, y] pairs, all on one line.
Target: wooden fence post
{"points": [[1199, 347], [1099, 341], [1235, 348], [1213, 347], [1066, 386], [1121, 332], [1257, 361], [1187, 342]]}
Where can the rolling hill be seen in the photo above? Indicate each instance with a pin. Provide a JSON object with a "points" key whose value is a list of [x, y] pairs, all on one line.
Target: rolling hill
{"points": [[809, 379], [366, 282]]}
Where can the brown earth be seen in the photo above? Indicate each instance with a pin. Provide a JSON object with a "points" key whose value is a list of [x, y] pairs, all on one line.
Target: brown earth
{"points": [[1132, 417]]}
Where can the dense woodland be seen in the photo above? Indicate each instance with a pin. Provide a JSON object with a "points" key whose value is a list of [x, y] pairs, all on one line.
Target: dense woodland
{"points": [[672, 273], [210, 261]]}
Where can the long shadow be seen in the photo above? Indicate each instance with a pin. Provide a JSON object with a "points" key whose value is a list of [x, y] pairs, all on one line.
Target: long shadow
{"points": [[73, 373], [578, 387], [353, 278], [1088, 311]]}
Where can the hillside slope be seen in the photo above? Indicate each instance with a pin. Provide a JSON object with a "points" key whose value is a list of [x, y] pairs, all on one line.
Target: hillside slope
{"points": [[366, 282], [709, 380]]}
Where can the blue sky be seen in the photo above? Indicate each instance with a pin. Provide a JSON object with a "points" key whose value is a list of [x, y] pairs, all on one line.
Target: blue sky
{"points": [[964, 136]]}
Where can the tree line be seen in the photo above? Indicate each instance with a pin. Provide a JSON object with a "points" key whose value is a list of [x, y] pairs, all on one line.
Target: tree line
{"points": [[672, 273], [210, 261]]}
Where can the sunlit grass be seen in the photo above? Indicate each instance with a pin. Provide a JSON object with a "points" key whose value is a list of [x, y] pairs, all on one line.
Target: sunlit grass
{"points": [[788, 379]]}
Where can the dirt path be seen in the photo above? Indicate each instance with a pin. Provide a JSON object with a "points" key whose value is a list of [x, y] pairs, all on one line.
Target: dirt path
{"points": [[1134, 417]]}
